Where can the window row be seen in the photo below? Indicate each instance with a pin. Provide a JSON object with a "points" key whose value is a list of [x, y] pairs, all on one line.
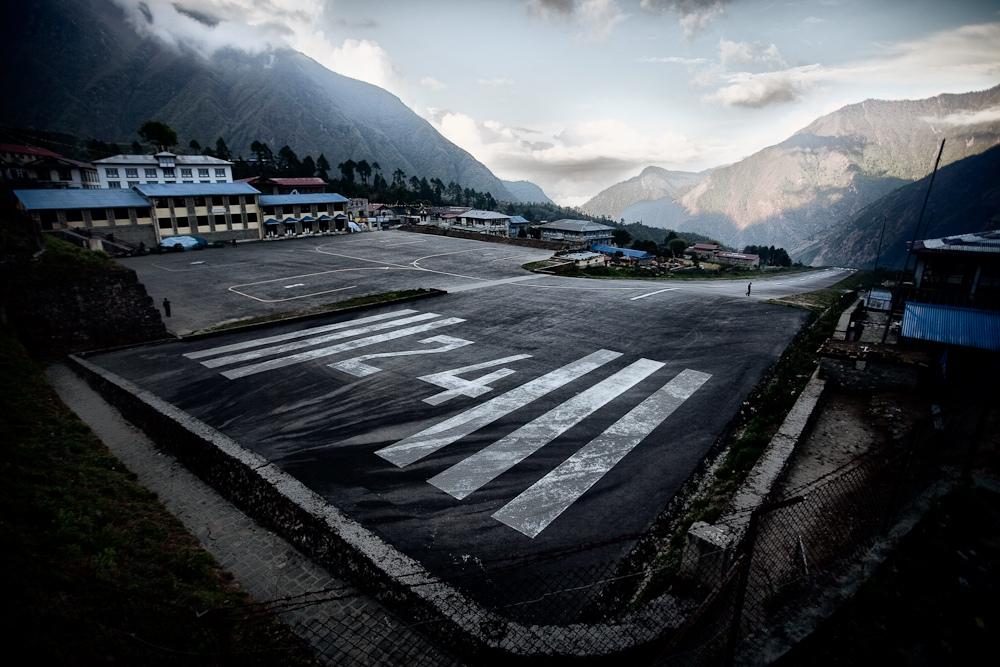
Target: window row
{"points": [[186, 172], [200, 221]]}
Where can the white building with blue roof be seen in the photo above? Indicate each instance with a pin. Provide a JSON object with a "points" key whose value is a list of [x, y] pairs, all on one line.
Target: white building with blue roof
{"points": [[310, 213], [123, 172], [124, 213]]}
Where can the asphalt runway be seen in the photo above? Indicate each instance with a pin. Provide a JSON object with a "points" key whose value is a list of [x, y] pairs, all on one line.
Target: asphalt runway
{"points": [[517, 417]]}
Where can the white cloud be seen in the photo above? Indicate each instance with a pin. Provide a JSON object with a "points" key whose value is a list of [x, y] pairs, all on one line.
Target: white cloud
{"points": [[432, 83], [964, 58], [596, 19], [570, 163], [678, 60], [747, 53], [365, 60], [693, 15], [496, 82], [966, 118]]}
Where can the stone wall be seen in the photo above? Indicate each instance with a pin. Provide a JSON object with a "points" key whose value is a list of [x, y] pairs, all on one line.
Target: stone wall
{"points": [[88, 309]]}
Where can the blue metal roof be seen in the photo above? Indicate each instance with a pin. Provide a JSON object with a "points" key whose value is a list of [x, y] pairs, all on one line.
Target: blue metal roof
{"points": [[626, 252], [195, 189], [48, 200], [966, 327], [518, 220], [308, 198]]}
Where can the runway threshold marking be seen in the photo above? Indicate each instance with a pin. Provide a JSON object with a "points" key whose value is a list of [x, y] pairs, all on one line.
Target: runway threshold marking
{"points": [[301, 333], [475, 471], [659, 291], [429, 440], [533, 510]]}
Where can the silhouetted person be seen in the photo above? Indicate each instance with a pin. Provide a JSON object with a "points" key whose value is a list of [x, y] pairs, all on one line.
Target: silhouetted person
{"points": [[166, 306], [234, 243], [748, 288]]}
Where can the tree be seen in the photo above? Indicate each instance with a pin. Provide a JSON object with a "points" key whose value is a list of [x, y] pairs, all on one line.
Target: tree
{"points": [[323, 167], [377, 168], [222, 150], [364, 171], [288, 161], [621, 237], [399, 179], [159, 134], [137, 148], [677, 246], [194, 145], [347, 170], [308, 166]]}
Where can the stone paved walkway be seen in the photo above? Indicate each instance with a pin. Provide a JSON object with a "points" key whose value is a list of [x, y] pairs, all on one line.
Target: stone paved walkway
{"points": [[345, 626]]}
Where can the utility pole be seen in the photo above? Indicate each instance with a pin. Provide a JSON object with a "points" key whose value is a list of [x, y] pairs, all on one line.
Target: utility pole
{"points": [[909, 250], [878, 253]]}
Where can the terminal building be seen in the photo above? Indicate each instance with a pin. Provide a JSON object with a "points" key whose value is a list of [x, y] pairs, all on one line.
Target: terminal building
{"points": [[128, 171], [581, 231], [314, 213]]}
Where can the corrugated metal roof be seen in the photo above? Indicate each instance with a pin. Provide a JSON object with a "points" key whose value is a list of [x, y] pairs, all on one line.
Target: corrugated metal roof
{"points": [[28, 150], [985, 242], [49, 200], [195, 189], [518, 220], [181, 160], [575, 226], [626, 252], [476, 214], [966, 327], [308, 198]]}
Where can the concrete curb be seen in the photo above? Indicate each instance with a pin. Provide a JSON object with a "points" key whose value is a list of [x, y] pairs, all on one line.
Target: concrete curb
{"points": [[280, 502]]}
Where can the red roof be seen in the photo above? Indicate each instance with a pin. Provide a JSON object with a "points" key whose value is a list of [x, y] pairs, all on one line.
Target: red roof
{"points": [[307, 180], [28, 150], [705, 246]]}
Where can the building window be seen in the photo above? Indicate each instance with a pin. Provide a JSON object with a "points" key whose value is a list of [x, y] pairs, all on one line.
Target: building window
{"points": [[132, 184], [199, 201], [115, 185], [217, 201], [150, 173], [168, 173], [268, 210], [186, 172], [202, 221], [111, 173], [121, 214], [65, 175], [188, 181], [220, 173], [131, 173], [165, 223], [49, 218], [203, 173], [74, 215]]}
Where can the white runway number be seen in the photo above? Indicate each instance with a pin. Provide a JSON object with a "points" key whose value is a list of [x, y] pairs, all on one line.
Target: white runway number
{"points": [[534, 509]]}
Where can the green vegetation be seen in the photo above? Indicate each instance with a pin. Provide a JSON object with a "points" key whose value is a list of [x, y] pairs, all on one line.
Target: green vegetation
{"points": [[62, 259], [96, 570], [648, 273], [160, 135], [365, 300]]}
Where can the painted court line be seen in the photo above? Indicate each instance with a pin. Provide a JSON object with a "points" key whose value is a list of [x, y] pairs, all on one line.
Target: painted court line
{"points": [[301, 357], [659, 291], [317, 340], [532, 511], [431, 439], [301, 333], [471, 473]]}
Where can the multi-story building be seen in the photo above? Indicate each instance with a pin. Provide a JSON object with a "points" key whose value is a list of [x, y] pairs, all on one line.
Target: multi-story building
{"points": [[128, 171], [277, 185], [216, 211], [61, 172], [484, 222], [315, 213], [582, 231], [124, 213]]}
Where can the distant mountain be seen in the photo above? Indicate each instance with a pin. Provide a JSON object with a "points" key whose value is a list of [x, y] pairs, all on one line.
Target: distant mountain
{"points": [[527, 192], [791, 193], [77, 66], [652, 184], [965, 198]]}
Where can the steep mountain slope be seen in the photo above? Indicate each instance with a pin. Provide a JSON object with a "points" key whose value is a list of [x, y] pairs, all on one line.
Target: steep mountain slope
{"points": [[826, 172], [526, 191], [793, 192], [77, 66], [653, 183], [965, 198]]}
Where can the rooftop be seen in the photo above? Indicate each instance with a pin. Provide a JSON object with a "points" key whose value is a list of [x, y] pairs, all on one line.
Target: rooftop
{"points": [[987, 242], [518, 220], [290, 182], [737, 255], [194, 189], [48, 200], [965, 327], [202, 160], [576, 226], [626, 252], [309, 198], [28, 150], [476, 214]]}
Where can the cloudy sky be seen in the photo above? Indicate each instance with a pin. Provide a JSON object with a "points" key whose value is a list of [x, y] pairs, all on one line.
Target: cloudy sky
{"points": [[577, 95]]}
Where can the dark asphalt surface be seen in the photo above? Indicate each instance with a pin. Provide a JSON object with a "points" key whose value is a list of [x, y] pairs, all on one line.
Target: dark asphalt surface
{"points": [[324, 425]]}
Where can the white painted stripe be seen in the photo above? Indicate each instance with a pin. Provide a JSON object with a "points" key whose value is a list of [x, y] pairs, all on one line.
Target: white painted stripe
{"points": [[538, 506], [295, 285], [493, 283], [316, 340], [660, 291], [301, 333], [358, 368], [431, 439], [301, 357], [470, 474]]}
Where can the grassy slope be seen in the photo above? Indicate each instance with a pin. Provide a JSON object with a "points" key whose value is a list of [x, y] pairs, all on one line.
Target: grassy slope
{"points": [[96, 569]]}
